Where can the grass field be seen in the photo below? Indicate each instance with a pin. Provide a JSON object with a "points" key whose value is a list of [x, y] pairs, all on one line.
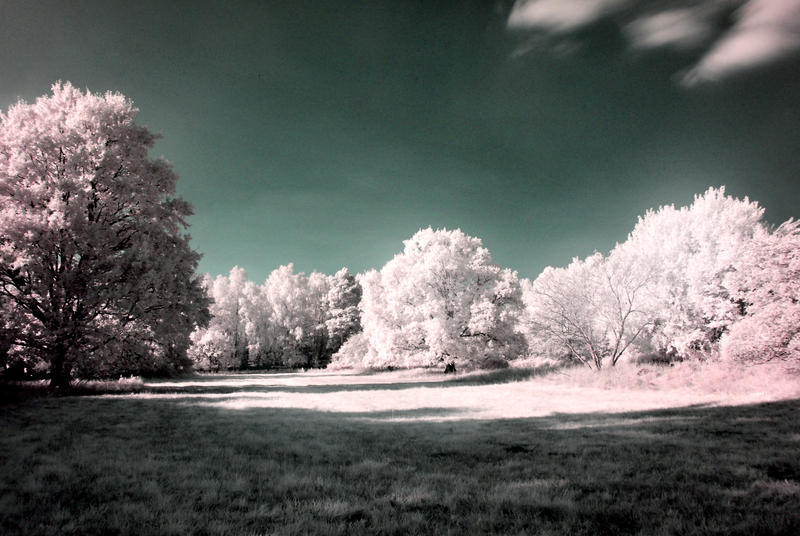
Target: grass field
{"points": [[508, 452]]}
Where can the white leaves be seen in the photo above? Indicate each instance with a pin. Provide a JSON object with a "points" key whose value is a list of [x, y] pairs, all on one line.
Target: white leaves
{"points": [[290, 320], [564, 307], [88, 219], [771, 332], [675, 284], [693, 251], [441, 299], [765, 281]]}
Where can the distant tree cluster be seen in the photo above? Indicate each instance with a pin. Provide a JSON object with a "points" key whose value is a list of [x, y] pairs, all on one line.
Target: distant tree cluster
{"points": [[687, 283], [291, 320], [441, 301], [96, 275]]}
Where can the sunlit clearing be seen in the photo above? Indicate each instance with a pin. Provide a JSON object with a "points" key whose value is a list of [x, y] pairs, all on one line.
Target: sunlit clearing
{"points": [[415, 396]]}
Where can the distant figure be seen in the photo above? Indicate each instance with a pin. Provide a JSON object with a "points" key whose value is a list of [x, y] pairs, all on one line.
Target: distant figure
{"points": [[450, 367]]}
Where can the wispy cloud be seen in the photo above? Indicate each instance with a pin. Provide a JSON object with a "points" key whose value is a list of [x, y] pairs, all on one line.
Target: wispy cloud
{"points": [[763, 30], [560, 15], [681, 28]]}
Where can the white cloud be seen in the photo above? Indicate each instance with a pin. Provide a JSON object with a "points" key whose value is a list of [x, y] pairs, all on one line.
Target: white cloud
{"points": [[678, 28], [766, 30], [560, 15]]}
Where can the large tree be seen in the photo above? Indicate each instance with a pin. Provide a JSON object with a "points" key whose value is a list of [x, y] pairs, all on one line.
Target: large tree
{"points": [[96, 272], [697, 252], [440, 300], [682, 278]]}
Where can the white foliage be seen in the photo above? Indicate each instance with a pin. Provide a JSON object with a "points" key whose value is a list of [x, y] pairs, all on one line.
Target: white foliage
{"points": [[678, 282], [352, 353], [771, 333], [223, 344], [211, 349], [768, 282], [94, 267], [695, 250], [290, 320], [343, 316], [591, 311], [440, 300]]}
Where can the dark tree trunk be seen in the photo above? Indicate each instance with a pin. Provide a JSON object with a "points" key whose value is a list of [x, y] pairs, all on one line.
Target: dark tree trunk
{"points": [[316, 352], [60, 369], [244, 358]]}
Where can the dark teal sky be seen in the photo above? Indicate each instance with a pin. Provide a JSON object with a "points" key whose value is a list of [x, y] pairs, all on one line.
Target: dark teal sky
{"points": [[325, 133]]}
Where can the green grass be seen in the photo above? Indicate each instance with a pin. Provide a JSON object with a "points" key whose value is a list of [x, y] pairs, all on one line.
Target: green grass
{"points": [[139, 465]]}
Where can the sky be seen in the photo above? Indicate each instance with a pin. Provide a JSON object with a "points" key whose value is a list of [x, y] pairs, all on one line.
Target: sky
{"points": [[325, 133]]}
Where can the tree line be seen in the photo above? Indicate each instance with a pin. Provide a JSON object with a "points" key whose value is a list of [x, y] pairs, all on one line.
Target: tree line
{"points": [[291, 320], [97, 277], [700, 281]]}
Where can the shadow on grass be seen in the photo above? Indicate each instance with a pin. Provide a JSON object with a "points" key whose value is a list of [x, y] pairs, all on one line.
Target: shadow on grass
{"points": [[500, 376], [11, 392], [89, 465], [436, 380]]}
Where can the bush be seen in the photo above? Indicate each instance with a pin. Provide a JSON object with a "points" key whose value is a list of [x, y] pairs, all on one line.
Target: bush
{"points": [[771, 333], [351, 354]]}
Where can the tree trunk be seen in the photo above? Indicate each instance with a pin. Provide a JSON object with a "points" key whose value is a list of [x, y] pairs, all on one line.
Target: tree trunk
{"points": [[60, 369]]}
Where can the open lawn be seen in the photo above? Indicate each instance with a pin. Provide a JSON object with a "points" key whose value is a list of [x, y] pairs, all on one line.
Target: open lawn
{"points": [[505, 452]]}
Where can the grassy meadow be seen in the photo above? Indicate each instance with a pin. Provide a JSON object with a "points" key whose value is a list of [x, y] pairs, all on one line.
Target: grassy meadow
{"points": [[506, 452]]}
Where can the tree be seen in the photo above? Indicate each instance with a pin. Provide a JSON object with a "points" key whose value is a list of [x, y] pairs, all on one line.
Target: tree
{"points": [[440, 300], [343, 318], [695, 251], [314, 342], [291, 320], [767, 279], [262, 349], [591, 311], [223, 344], [94, 265], [675, 285]]}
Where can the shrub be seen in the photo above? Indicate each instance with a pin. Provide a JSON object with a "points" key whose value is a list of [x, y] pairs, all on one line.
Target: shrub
{"points": [[351, 354], [771, 333]]}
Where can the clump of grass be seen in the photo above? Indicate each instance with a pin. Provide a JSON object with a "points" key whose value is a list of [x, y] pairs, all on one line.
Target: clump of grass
{"points": [[16, 391], [132, 384], [712, 376]]}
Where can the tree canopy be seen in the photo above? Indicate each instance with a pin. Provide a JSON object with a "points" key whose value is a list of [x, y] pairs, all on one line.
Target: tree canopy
{"points": [[291, 320], [96, 273], [440, 300], [694, 281]]}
